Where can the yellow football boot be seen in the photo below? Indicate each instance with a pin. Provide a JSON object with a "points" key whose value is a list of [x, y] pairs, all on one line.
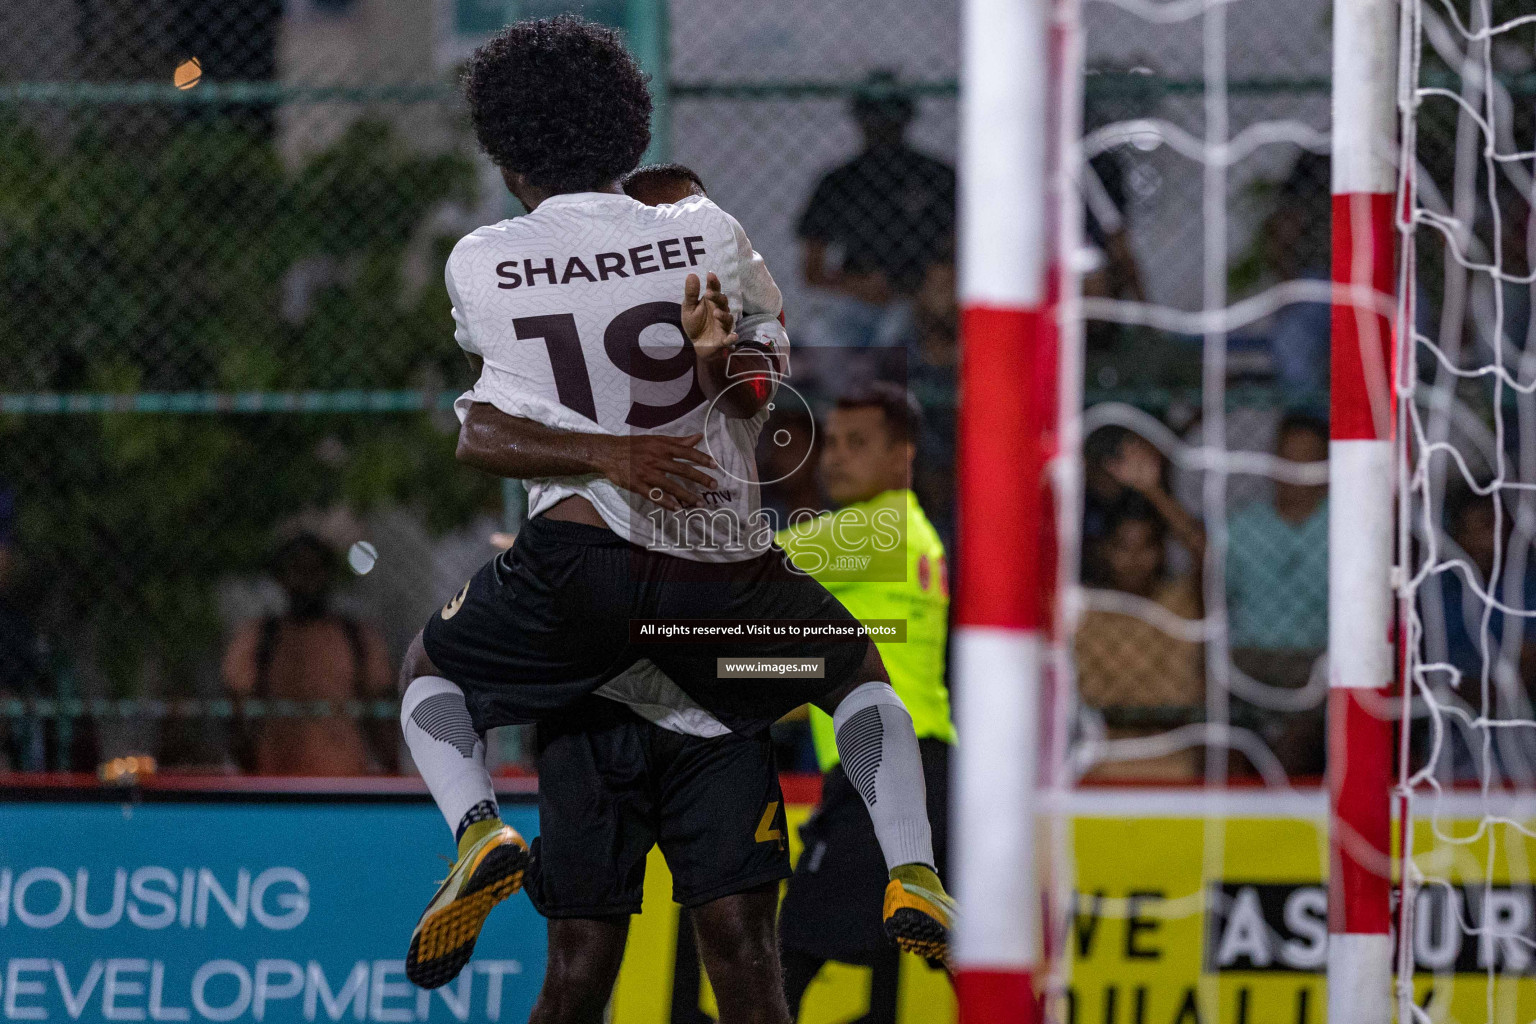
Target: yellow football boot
{"points": [[918, 912], [444, 939]]}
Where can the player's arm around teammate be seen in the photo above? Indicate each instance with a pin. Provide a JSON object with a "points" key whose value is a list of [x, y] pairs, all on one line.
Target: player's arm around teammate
{"points": [[670, 470], [658, 466], [556, 303], [705, 800]]}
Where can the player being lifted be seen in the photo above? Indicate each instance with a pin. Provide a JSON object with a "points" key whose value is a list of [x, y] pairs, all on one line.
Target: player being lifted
{"points": [[597, 388], [615, 782]]}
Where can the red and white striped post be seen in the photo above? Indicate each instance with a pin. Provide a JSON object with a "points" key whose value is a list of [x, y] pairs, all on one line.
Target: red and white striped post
{"points": [[1007, 408], [1360, 516]]}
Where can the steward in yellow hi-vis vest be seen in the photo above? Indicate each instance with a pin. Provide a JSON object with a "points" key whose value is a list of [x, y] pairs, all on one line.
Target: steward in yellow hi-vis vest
{"points": [[885, 562], [880, 556]]}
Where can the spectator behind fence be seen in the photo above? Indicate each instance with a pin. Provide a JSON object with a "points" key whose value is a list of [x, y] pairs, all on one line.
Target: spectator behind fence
{"points": [[1100, 493], [23, 657], [873, 225], [1138, 466], [1277, 566], [933, 372], [1277, 593], [1472, 525], [1142, 678], [1294, 244], [1464, 595], [1114, 272], [1119, 461], [310, 653]]}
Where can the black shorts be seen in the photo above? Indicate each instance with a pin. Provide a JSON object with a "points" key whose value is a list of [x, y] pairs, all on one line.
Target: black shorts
{"points": [[547, 622], [832, 908], [609, 792]]}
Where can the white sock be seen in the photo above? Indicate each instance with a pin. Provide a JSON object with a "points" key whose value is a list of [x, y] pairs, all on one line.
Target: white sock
{"points": [[448, 752], [879, 753]]}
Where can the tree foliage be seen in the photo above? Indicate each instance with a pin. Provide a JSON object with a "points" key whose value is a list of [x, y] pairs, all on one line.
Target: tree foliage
{"points": [[202, 264]]}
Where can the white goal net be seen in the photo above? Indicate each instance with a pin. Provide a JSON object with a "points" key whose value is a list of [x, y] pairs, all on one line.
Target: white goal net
{"points": [[1195, 599], [1467, 387], [1195, 626]]}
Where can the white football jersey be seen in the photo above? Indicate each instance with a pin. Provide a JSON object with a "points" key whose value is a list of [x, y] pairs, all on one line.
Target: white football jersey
{"points": [[575, 309]]}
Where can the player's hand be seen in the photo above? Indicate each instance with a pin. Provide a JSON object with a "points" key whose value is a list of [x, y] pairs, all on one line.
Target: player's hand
{"points": [[658, 467], [708, 322], [707, 318]]}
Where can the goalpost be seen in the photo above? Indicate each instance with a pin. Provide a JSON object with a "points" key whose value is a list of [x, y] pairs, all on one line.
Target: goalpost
{"points": [[1430, 816], [1006, 412], [1021, 431], [1361, 479]]}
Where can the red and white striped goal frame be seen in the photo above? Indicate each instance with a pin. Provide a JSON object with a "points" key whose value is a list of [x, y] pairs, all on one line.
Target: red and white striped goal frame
{"points": [[1006, 529], [1006, 558], [1361, 471]]}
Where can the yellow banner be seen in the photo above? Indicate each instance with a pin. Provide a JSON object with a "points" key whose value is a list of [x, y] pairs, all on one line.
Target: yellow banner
{"points": [[652, 979], [1191, 910], [1180, 918]]}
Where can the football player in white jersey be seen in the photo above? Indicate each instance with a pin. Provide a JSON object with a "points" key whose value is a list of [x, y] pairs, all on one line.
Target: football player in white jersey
{"points": [[615, 782], [598, 388]]}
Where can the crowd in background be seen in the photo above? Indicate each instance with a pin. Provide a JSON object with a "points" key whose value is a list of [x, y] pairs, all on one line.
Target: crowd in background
{"points": [[876, 241], [1146, 671]]}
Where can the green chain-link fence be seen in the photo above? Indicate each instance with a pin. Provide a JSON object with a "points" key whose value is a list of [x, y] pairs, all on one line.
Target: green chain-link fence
{"points": [[222, 322]]}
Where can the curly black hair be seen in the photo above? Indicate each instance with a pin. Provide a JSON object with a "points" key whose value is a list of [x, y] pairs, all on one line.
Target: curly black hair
{"points": [[561, 102]]}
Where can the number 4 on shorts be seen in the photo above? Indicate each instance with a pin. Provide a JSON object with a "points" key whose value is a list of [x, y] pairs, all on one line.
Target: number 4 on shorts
{"points": [[766, 833]]}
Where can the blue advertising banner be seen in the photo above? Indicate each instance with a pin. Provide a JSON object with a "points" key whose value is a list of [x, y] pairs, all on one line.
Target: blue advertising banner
{"points": [[209, 911]]}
